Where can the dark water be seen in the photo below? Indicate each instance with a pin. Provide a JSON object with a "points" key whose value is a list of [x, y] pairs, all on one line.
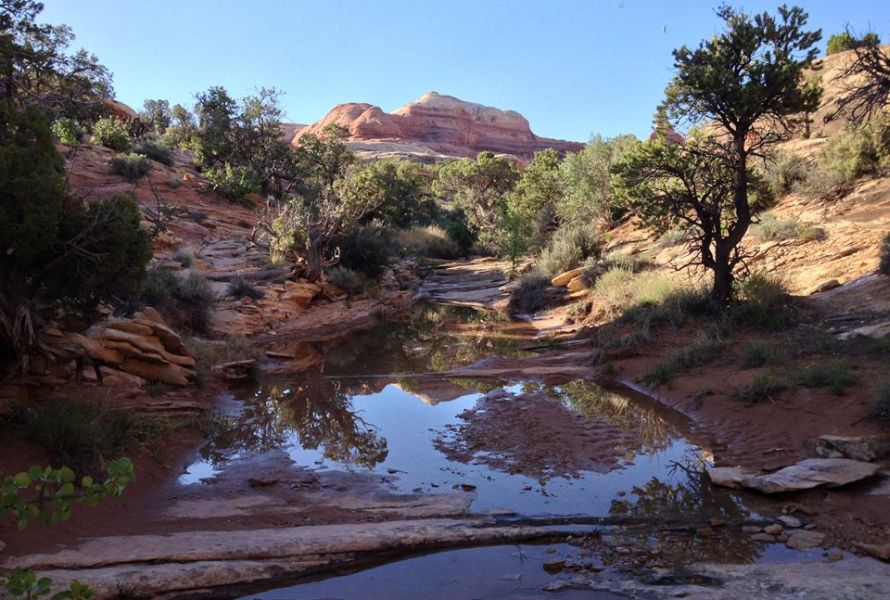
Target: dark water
{"points": [[364, 408]]}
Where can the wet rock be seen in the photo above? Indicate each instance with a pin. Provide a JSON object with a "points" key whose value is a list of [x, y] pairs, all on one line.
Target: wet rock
{"points": [[773, 529], [790, 522], [715, 522], [238, 370], [866, 448], [802, 539], [256, 482], [554, 566], [879, 551], [834, 555], [810, 473], [731, 477], [752, 529], [764, 538]]}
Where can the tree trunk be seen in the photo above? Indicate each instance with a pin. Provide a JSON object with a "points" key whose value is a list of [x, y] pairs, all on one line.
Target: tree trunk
{"points": [[721, 292], [315, 255]]}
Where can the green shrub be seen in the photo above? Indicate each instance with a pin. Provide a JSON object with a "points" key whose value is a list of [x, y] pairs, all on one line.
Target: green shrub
{"points": [[628, 262], [235, 183], [186, 302], [431, 241], [154, 150], [183, 258], [839, 42], [455, 225], [131, 167], [532, 293], [112, 133], [785, 173], [857, 152], [758, 355], [65, 131], [762, 302], [196, 300], [569, 247], [884, 265], [84, 435], [880, 406], [670, 238], [239, 288], [836, 377], [366, 249], [772, 228], [352, 282], [764, 387], [660, 375]]}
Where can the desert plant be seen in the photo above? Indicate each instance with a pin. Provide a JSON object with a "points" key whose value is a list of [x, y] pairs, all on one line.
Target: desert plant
{"points": [[154, 150], [860, 151], [880, 406], [348, 280], [65, 131], [758, 355], [845, 40], [232, 182], [785, 172], [186, 302], [884, 265], [239, 288], [183, 258], [431, 241], [532, 293], [366, 249], [762, 302], [660, 375], [772, 228], [112, 133], [837, 377], [763, 387], [569, 247], [131, 167]]}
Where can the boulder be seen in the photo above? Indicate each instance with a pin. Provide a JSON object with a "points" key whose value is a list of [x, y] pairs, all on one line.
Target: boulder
{"points": [[563, 279], [731, 477], [810, 473], [879, 551], [575, 285], [803, 539], [867, 447], [164, 373]]}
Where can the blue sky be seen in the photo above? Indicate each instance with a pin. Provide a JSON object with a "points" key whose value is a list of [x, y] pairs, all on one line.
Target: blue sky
{"points": [[573, 68]]}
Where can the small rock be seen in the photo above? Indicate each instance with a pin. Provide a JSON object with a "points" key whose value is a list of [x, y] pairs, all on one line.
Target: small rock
{"points": [[717, 522], [752, 529], [782, 538], [828, 285], [467, 487], [880, 551], [790, 522], [809, 526], [763, 537], [773, 529], [834, 555], [802, 539], [256, 482], [704, 532], [554, 566]]}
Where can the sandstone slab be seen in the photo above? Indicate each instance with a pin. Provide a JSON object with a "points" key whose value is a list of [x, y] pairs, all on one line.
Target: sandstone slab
{"points": [[810, 473]]}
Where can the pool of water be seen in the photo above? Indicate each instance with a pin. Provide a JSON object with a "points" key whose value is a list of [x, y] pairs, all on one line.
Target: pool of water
{"points": [[366, 408]]}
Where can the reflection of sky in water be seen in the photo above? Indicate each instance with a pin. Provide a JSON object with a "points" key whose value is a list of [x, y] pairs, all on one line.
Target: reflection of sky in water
{"points": [[409, 426]]}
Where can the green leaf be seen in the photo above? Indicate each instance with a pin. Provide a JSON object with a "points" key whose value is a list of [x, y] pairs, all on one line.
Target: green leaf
{"points": [[22, 480]]}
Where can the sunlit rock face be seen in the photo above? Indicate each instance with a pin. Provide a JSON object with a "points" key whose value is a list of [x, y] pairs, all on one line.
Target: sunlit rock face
{"points": [[435, 126]]}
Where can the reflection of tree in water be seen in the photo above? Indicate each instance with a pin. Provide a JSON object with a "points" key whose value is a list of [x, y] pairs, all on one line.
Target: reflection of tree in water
{"points": [[693, 498], [647, 422], [432, 338], [318, 410]]}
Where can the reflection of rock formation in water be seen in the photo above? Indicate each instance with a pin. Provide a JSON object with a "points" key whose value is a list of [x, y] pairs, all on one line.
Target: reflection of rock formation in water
{"points": [[433, 391], [548, 432]]}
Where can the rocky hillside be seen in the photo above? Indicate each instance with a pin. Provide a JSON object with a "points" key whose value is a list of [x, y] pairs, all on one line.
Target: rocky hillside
{"points": [[436, 126]]}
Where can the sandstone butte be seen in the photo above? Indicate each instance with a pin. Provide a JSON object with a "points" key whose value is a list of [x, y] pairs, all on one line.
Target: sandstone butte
{"points": [[433, 127]]}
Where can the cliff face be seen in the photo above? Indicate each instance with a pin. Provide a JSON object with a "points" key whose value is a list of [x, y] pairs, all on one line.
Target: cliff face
{"points": [[437, 126]]}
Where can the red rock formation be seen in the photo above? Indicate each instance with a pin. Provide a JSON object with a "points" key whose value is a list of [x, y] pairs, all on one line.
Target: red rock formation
{"points": [[443, 125]]}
